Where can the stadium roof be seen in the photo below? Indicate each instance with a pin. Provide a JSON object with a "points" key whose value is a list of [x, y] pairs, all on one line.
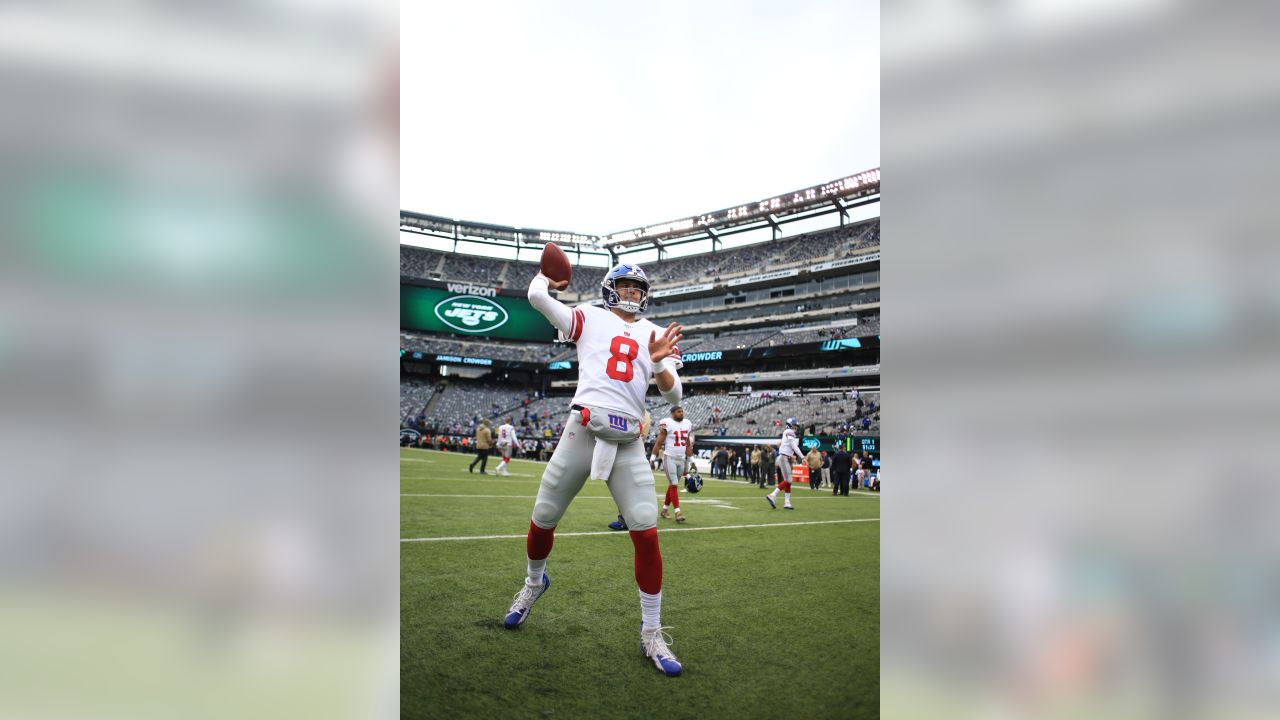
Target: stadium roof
{"points": [[836, 196]]}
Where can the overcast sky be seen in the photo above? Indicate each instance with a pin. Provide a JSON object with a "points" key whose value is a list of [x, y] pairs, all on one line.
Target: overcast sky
{"points": [[596, 117]]}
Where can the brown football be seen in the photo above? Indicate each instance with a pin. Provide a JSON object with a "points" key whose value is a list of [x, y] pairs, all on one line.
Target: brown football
{"points": [[554, 263]]}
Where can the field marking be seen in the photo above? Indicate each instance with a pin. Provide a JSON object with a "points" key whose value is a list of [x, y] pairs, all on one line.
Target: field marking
{"points": [[710, 502], [490, 478], [684, 496], [658, 475], [619, 532], [517, 497]]}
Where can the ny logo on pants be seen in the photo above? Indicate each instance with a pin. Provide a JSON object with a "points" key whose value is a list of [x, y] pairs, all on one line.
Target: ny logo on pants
{"points": [[617, 422]]}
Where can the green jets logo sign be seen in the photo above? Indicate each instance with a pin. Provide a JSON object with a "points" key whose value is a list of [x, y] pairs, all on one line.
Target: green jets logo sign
{"points": [[471, 314], [461, 311]]}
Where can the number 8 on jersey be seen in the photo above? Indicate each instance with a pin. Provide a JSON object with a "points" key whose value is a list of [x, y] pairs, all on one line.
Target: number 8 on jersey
{"points": [[622, 351]]}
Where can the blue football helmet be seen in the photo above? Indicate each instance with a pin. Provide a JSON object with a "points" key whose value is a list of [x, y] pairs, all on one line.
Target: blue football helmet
{"points": [[792, 422], [610, 292], [693, 482]]}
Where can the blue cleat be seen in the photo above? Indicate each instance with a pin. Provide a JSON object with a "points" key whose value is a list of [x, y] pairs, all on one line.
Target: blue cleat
{"points": [[653, 643], [524, 600], [619, 524], [771, 503]]}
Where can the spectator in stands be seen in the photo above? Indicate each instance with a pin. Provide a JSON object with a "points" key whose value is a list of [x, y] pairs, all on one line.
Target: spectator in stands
{"points": [[841, 466]]}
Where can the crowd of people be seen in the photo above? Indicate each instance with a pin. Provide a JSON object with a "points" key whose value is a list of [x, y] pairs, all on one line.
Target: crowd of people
{"points": [[711, 267], [418, 262], [758, 464], [522, 351]]}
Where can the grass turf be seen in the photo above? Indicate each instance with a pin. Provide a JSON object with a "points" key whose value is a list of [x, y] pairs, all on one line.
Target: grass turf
{"points": [[769, 622]]}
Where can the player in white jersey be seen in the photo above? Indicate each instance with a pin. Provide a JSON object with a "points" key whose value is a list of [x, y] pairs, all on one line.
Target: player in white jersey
{"points": [[675, 438], [618, 354], [506, 440], [788, 454]]}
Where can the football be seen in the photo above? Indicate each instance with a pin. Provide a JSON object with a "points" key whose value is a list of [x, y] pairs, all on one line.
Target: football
{"points": [[554, 263]]}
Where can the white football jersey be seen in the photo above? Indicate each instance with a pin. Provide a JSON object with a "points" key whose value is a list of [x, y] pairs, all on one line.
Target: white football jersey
{"points": [[614, 368], [789, 446], [679, 434], [506, 434]]}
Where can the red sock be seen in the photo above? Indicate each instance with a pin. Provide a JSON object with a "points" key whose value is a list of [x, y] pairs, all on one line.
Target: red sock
{"points": [[538, 545], [648, 560], [785, 485], [506, 458], [674, 492]]}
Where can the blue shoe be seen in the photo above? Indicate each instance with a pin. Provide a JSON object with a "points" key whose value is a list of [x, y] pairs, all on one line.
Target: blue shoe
{"points": [[771, 503], [524, 600], [618, 524], [653, 643]]}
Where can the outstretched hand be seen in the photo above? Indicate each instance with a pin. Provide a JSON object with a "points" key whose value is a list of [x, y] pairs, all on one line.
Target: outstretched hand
{"points": [[660, 347], [556, 285]]}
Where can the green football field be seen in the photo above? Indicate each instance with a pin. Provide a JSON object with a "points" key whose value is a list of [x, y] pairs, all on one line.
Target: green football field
{"points": [[774, 613]]}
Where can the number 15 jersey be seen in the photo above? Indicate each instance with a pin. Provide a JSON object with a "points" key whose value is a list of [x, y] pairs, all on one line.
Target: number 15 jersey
{"points": [[677, 442], [614, 368]]}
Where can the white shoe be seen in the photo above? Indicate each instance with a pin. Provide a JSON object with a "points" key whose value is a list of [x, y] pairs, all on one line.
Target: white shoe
{"points": [[524, 601], [664, 514], [653, 643], [679, 515]]}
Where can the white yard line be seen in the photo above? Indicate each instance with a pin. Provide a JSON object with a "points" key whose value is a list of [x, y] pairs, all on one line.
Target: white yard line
{"points": [[685, 497], [481, 479], [658, 474], [517, 497], [620, 533]]}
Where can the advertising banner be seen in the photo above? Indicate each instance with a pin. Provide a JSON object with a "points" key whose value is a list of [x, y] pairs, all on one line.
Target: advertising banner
{"points": [[439, 310]]}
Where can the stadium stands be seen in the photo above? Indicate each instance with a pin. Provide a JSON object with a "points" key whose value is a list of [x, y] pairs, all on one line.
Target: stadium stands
{"points": [[835, 303], [788, 291], [516, 351], [811, 247], [464, 403], [726, 340], [826, 412], [748, 259], [461, 404], [822, 332], [414, 396], [710, 409], [485, 271], [416, 262], [585, 282]]}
